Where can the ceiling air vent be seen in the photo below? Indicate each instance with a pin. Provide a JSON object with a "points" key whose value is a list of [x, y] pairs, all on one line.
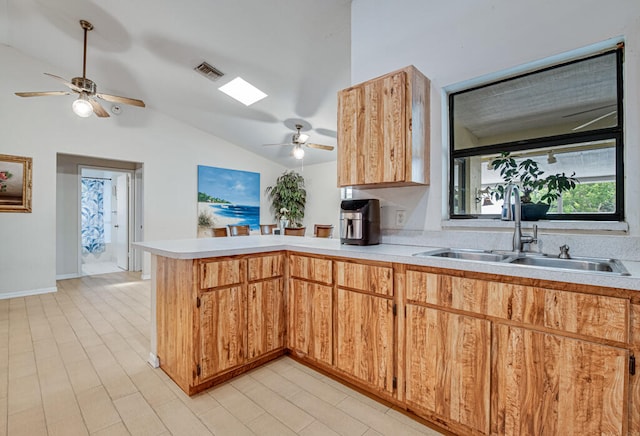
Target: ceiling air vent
{"points": [[208, 71]]}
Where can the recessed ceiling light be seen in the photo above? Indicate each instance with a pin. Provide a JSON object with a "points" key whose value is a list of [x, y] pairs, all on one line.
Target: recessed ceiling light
{"points": [[242, 91]]}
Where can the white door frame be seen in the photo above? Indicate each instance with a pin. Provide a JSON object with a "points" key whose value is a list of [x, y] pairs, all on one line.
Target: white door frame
{"points": [[135, 213]]}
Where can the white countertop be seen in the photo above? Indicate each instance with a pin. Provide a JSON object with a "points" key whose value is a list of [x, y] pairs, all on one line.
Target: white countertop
{"points": [[215, 247]]}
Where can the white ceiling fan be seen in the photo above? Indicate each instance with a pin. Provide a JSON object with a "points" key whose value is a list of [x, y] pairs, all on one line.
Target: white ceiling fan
{"points": [[298, 140], [86, 104]]}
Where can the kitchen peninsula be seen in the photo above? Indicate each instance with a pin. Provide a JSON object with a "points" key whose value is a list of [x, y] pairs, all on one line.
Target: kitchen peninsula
{"points": [[474, 347]]}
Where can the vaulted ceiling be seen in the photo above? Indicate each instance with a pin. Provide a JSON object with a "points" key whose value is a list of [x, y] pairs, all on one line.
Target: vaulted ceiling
{"points": [[296, 51]]}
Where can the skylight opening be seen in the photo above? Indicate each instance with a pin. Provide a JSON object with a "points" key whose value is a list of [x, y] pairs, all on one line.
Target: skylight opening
{"points": [[242, 91]]}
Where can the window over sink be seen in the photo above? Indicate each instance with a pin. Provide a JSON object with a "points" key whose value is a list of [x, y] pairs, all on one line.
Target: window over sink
{"points": [[566, 117]]}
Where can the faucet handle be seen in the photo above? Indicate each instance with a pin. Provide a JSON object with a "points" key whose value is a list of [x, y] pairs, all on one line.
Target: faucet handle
{"points": [[564, 252]]}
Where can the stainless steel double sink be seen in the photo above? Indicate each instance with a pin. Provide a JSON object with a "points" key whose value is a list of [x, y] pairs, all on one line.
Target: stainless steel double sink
{"points": [[537, 260]]}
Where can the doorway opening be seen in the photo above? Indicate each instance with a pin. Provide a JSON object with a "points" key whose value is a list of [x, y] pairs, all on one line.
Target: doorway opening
{"points": [[105, 219], [69, 245]]}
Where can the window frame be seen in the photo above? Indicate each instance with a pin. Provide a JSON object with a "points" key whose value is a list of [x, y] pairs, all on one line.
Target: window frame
{"points": [[615, 133]]}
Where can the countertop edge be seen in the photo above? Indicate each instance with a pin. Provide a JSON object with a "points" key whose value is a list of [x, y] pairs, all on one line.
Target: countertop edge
{"points": [[189, 249]]}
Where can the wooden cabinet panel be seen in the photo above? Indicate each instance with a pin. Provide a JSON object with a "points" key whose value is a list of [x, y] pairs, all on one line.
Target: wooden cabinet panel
{"points": [[584, 314], [448, 365], [383, 130], [634, 403], [175, 298], [264, 267], [221, 273], [222, 330], [365, 345], [549, 384], [369, 278], [634, 337], [590, 315], [311, 268], [351, 110], [372, 125], [310, 320], [265, 317]]}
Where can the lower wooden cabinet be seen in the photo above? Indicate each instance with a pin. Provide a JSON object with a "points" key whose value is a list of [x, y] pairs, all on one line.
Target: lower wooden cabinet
{"points": [[365, 339], [549, 384], [448, 372], [474, 355], [223, 328], [311, 320], [265, 317]]}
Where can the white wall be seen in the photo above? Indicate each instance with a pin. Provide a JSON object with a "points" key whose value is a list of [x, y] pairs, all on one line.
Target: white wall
{"points": [[323, 196], [42, 127], [453, 42]]}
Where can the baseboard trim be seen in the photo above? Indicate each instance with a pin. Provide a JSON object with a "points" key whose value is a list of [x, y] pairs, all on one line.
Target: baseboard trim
{"points": [[68, 276], [153, 360], [145, 276], [18, 294]]}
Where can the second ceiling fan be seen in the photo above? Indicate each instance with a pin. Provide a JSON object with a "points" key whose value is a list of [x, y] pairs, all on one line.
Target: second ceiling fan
{"points": [[86, 104], [299, 139]]}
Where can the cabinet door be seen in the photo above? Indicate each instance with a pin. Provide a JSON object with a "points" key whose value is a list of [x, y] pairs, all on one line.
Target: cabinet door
{"points": [[372, 126], [448, 365], [550, 384], [310, 320], [222, 330], [365, 346], [265, 317]]}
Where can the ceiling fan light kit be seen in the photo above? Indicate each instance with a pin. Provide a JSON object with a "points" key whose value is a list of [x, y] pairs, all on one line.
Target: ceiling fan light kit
{"points": [[81, 106], [85, 104], [298, 152]]}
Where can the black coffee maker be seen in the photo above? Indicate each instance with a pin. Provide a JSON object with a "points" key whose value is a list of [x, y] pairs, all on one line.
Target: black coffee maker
{"points": [[360, 222]]}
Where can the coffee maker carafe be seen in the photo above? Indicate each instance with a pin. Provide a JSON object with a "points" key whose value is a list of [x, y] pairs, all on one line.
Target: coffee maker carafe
{"points": [[360, 222]]}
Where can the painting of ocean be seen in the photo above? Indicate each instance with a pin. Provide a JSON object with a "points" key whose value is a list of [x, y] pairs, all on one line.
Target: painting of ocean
{"points": [[229, 196]]}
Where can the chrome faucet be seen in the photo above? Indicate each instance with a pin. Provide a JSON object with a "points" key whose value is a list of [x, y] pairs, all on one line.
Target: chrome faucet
{"points": [[514, 214]]}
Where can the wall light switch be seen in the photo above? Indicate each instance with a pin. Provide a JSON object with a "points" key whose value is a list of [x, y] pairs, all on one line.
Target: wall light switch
{"points": [[401, 218]]}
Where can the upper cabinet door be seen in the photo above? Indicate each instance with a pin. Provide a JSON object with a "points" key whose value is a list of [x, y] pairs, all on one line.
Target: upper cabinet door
{"points": [[378, 142]]}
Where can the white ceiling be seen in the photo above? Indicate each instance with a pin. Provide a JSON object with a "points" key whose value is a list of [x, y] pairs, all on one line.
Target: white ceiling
{"points": [[297, 51]]}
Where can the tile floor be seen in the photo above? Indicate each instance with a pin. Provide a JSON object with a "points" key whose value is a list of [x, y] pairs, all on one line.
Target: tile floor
{"points": [[74, 363], [95, 268]]}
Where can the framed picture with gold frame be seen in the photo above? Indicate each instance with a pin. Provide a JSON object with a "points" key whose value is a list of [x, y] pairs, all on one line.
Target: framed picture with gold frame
{"points": [[15, 183]]}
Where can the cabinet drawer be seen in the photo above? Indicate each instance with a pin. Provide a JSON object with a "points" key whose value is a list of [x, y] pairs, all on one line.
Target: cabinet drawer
{"points": [[369, 278], [311, 268], [220, 273], [265, 267]]}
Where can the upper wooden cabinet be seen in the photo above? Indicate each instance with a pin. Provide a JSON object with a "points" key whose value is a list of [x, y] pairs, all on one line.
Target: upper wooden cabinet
{"points": [[383, 131]]}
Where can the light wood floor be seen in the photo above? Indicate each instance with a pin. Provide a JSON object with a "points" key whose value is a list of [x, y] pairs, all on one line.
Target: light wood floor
{"points": [[74, 363]]}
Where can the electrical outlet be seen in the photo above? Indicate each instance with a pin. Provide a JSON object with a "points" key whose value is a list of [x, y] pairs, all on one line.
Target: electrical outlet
{"points": [[401, 218]]}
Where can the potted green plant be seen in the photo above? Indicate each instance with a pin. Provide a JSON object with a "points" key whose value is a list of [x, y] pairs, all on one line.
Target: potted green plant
{"points": [[288, 198], [528, 176]]}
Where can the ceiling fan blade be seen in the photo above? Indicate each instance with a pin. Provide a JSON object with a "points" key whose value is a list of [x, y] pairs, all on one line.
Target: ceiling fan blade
{"points": [[588, 123], [320, 146], [286, 143], [41, 94], [98, 109], [124, 100], [66, 83]]}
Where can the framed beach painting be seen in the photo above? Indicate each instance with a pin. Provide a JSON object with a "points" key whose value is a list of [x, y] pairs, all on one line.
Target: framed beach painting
{"points": [[227, 197], [15, 183]]}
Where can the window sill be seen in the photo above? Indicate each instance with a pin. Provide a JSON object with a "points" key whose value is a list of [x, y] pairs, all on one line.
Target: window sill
{"points": [[607, 227]]}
